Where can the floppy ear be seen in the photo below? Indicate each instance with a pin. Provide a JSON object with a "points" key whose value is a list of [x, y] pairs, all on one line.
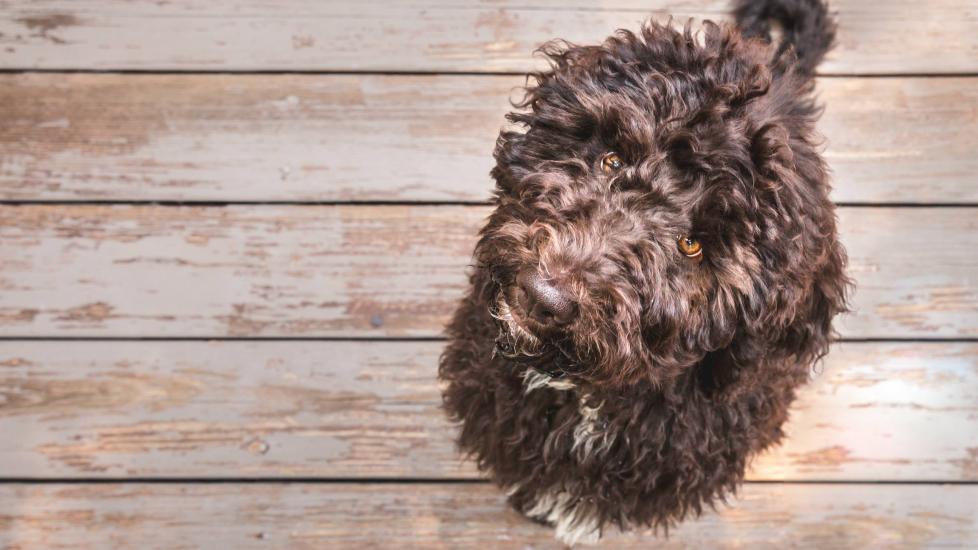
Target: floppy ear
{"points": [[509, 166], [806, 285], [807, 332], [789, 330]]}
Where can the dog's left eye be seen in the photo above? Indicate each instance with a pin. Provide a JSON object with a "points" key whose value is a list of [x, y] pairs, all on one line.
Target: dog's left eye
{"points": [[611, 162]]}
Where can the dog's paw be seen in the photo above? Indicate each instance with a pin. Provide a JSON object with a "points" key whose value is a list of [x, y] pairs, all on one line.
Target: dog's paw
{"points": [[573, 524]]}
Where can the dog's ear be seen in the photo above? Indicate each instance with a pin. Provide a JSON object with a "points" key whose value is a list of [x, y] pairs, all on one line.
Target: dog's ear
{"points": [[788, 331], [805, 289], [510, 163], [808, 332], [802, 285]]}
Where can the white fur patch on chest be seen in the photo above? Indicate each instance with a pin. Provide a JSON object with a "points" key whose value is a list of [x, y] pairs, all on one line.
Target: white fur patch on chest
{"points": [[534, 380], [574, 524], [574, 520], [591, 434]]}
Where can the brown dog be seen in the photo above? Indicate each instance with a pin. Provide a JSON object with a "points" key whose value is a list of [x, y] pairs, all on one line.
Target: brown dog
{"points": [[658, 277]]}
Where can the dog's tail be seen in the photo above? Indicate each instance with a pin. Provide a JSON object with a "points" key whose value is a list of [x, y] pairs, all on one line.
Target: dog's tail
{"points": [[806, 26]]}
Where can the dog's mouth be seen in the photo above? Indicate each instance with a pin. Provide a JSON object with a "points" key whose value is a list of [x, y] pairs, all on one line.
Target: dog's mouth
{"points": [[519, 342], [514, 339]]}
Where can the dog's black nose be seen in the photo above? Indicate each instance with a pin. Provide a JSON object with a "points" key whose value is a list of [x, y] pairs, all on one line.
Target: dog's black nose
{"points": [[544, 302]]}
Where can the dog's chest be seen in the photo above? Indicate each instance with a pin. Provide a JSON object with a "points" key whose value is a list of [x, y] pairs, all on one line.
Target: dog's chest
{"points": [[589, 431]]}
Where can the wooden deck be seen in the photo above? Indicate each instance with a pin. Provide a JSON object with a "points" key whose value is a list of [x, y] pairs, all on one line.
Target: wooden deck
{"points": [[230, 233]]}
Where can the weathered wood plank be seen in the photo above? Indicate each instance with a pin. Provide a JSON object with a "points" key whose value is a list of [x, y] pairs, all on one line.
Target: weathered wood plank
{"points": [[423, 35], [342, 271], [769, 516], [894, 412], [414, 138], [234, 271]]}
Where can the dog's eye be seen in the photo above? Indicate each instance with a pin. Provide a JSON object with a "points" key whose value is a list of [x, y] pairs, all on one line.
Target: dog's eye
{"points": [[611, 163], [690, 246]]}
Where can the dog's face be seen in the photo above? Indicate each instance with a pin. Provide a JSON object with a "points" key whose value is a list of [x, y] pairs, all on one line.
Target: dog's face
{"points": [[662, 200]]}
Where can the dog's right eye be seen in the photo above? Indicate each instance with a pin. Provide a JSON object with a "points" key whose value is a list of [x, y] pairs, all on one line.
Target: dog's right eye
{"points": [[611, 163], [690, 247]]}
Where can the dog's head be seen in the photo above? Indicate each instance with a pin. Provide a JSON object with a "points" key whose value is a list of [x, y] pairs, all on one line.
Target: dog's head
{"points": [[663, 199]]}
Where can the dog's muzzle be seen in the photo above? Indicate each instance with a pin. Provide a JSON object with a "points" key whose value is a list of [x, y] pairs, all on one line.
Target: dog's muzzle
{"points": [[519, 345], [513, 340]]}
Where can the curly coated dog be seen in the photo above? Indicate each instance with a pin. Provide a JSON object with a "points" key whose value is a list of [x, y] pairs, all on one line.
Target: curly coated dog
{"points": [[659, 275]]}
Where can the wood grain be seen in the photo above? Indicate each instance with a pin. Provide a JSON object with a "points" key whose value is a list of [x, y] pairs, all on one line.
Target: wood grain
{"points": [[899, 36], [89, 409], [297, 409], [404, 138], [770, 516], [380, 271]]}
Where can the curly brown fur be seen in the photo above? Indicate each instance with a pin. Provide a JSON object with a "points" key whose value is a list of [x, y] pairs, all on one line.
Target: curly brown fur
{"points": [[674, 371]]}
